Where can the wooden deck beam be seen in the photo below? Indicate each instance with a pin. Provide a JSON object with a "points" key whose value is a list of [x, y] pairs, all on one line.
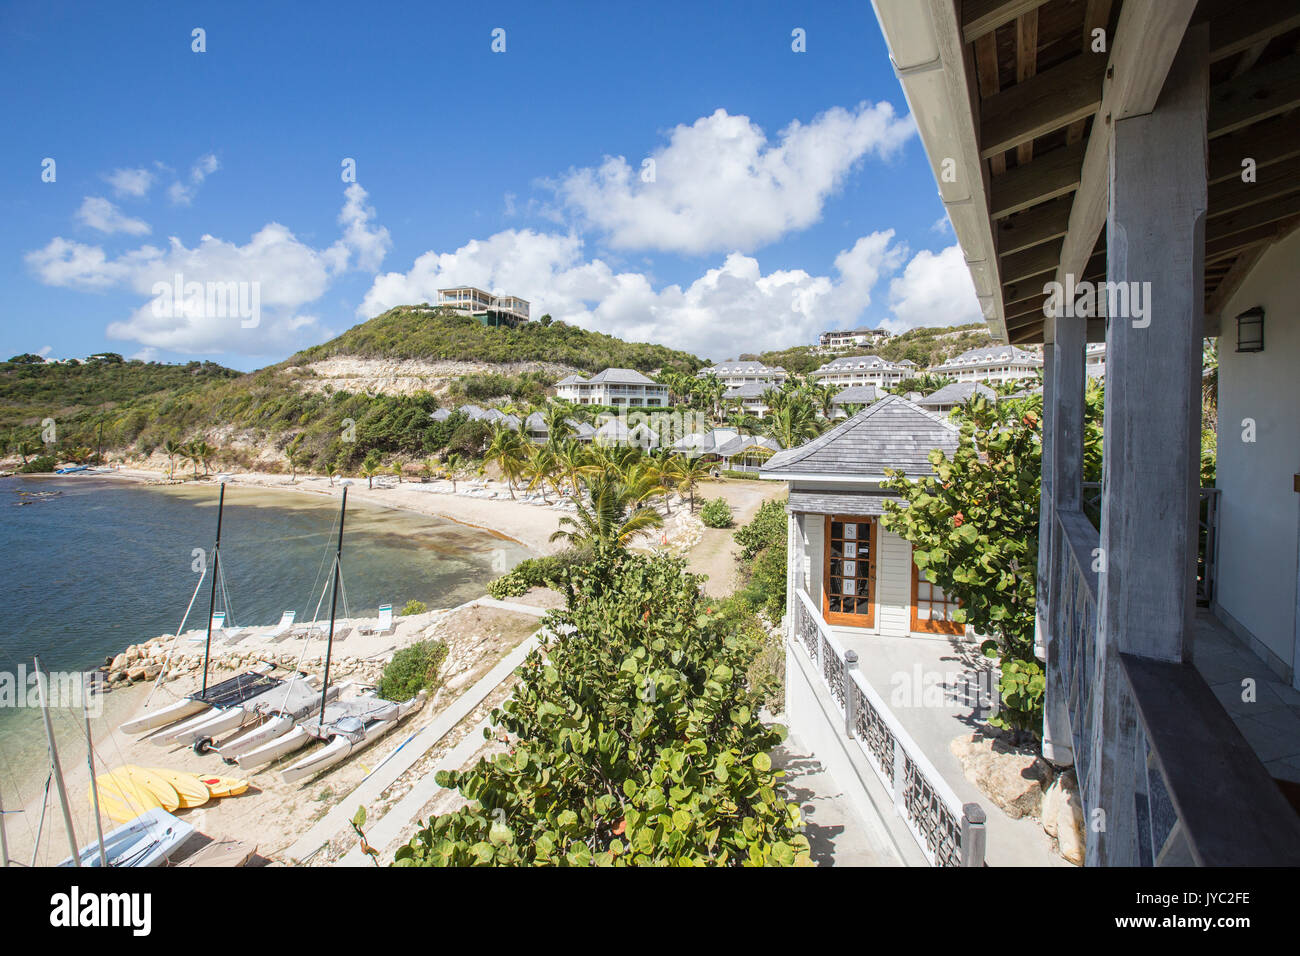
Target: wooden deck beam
{"points": [[1255, 96], [1047, 177], [1041, 104], [982, 17]]}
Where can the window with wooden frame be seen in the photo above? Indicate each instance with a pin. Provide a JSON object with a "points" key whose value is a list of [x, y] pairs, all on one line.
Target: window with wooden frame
{"points": [[849, 571], [931, 608]]}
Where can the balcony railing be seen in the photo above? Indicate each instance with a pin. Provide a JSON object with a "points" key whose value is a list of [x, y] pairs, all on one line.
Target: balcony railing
{"points": [[1200, 795], [1207, 541], [949, 832]]}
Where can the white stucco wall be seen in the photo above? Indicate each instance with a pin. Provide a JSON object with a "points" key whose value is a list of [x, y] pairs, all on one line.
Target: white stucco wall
{"points": [[1259, 516]]}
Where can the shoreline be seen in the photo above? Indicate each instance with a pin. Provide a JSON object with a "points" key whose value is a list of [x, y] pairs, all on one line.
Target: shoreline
{"points": [[532, 523]]}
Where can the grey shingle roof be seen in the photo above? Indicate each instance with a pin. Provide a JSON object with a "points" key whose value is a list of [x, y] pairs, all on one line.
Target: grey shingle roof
{"points": [[740, 443], [838, 502], [474, 412], [856, 395], [570, 380], [441, 415], [536, 422], [892, 433], [620, 376], [958, 393], [854, 361], [748, 390]]}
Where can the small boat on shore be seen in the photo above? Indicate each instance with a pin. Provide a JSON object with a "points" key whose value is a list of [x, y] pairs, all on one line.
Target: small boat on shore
{"points": [[349, 726], [148, 840], [228, 693], [298, 696]]}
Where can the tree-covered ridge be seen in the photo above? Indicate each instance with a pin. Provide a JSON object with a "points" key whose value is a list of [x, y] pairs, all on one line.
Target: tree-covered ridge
{"points": [[925, 347], [416, 332], [32, 388]]}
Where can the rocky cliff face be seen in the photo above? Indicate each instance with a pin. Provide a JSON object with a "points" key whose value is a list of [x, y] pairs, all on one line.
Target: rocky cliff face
{"points": [[406, 376]]}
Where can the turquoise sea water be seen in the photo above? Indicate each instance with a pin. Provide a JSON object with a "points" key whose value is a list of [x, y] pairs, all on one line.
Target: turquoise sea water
{"points": [[105, 563]]}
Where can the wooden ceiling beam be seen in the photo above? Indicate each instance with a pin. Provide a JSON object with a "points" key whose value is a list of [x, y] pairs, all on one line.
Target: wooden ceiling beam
{"points": [[1041, 104], [1042, 223], [1026, 67], [1095, 17], [982, 17], [1266, 143], [1250, 24], [1047, 177], [1250, 217], [1256, 95], [986, 63], [1020, 265], [1271, 182]]}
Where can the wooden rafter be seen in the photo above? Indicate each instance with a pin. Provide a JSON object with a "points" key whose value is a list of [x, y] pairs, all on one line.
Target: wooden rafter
{"points": [[982, 17], [1266, 143], [1047, 177], [1250, 25], [1043, 103], [986, 63], [1096, 17], [1254, 96], [1026, 67], [1271, 182], [1043, 223]]}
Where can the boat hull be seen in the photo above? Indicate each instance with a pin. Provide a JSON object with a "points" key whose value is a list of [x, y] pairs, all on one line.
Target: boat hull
{"points": [[148, 840], [179, 710]]}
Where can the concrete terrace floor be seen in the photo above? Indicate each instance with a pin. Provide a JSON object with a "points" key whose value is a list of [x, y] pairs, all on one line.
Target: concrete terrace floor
{"points": [[930, 685], [1270, 722]]}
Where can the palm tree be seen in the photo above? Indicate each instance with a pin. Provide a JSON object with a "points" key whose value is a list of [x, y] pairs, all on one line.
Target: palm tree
{"points": [[558, 427], [368, 471], [792, 424], [172, 449], [203, 453], [686, 472], [611, 515], [540, 468], [509, 451], [451, 467], [572, 460]]}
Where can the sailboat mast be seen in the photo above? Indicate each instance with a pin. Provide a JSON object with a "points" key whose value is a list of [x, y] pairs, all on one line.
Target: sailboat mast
{"points": [[212, 600], [334, 600], [94, 786], [41, 682], [4, 841]]}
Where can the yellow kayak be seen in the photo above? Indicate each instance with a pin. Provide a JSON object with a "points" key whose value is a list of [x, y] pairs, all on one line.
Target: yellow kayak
{"points": [[129, 791], [189, 788], [224, 786]]}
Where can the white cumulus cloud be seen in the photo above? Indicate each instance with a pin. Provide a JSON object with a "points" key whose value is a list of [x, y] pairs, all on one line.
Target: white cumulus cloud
{"points": [[934, 289], [130, 182], [274, 268], [182, 193], [720, 185], [98, 213], [731, 308]]}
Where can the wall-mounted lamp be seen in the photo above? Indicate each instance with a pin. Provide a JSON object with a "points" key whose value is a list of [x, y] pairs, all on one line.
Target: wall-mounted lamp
{"points": [[1250, 330]]}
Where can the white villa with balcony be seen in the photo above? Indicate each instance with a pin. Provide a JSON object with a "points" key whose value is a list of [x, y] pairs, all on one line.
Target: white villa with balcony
{"points": [[851, 338], [994, 363], [613, 387], [861, 370], [736, 374]]}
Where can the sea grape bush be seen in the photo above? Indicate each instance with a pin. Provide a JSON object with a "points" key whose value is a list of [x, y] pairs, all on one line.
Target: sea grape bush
{"points": [[716, 513], [636, 740]]}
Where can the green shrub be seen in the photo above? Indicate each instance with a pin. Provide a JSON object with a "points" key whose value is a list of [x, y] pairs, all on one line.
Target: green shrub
{"points": [[716, 513], [412, 670], [634, 741], [766, 671], [41, 464], [766, 528], [542, 572], [743, 475], [414, 607]]}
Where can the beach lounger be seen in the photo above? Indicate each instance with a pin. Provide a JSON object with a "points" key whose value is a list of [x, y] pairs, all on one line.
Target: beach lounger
{"points": [[218, 625], [384, 624], [281, 630]]}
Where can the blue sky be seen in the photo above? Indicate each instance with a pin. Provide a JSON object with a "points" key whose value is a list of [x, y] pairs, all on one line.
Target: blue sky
{"points": [[790, 192]]}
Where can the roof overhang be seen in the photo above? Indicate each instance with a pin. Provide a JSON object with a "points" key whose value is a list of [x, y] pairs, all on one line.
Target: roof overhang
{"points": [[1015, 105]]}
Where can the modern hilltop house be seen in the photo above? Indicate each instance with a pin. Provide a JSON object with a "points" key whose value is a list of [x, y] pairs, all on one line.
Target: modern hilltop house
{"points": [[488, 309], [1120, 171]]}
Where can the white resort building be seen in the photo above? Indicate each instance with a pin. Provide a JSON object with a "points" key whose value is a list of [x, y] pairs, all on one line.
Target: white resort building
{"points": [[994, 363], [851, 338], [950, 396], [613, 387], [736, 374], [861, 370]]}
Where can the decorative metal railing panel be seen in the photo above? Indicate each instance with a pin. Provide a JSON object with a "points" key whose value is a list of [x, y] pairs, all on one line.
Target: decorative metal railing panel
{"points": [[948, 832], [929, 818]]}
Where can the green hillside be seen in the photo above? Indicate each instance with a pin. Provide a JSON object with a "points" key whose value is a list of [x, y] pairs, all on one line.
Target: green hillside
{"points": [[415, 332]]}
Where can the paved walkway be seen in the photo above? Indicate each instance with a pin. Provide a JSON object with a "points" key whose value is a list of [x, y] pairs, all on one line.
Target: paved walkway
{"points": [[1271, 720], [837, 835]]}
